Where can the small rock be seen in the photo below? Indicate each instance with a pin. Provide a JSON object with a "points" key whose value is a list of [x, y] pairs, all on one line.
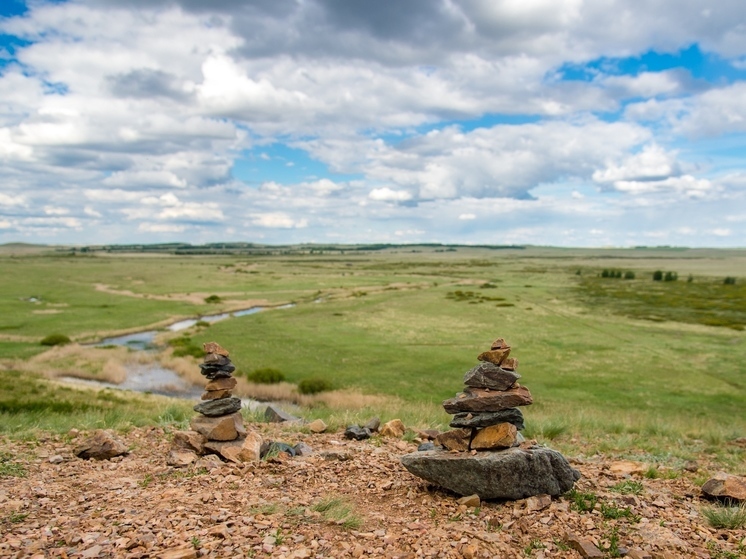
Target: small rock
{"points": [[228, 383], [538, 502], [214, 347], [455, 439], [485, 419], [274, 414], [626, 468], [393, 428], [638, 554], [218, 408], [357, 433], [373, 424], [426, 446], [495, 356], [56, 459], [225, 428], [489, 375], [179, 553], [502, 435], [726, 487], [586, 548], [470, 501], [190, 440], [180, 458], [302, 449], [317, 426], [102, 445], [481, 400]]}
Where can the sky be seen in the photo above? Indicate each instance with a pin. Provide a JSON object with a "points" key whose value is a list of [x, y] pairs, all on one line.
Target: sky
{"points": [[579, 123]]}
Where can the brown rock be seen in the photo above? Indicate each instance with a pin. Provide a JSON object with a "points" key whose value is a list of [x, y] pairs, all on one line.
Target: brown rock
{"points": [[179, 553], [223, 428], [180, 457], [495, 356], [626, 468], [317, 426], [510, 364], [455, 439], [214, 347], [502, 435], [538, 502], [725, 486], [638, 554], [223, 383], [480, 400], [470, 501], [216, 394], [190, 440], [240, 450], [586, 548], [489, 375], [102, 445], [499, 343], [394, 428]]}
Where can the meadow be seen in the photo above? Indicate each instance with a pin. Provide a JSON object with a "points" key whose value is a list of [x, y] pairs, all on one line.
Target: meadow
{"points": [[632, 367]]}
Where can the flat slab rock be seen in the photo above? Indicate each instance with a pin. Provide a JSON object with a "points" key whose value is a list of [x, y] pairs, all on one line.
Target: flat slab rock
{"points": [[511, 474]]}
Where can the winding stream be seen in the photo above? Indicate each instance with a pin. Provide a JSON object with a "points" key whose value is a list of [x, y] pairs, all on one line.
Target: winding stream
{"points": [[153, 377]]}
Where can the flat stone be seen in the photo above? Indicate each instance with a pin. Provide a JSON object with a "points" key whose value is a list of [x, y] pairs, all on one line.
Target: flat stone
{"points": [[538, 502], [506, 474], [426, 446], [216, 394], [190, 440], [393, 428], [273, 414], [455, 439], [239, 451], [489, 375], [502, 435], [470, 501], [102, 445], [214, 347], [586, 548], [216, 408], [179, 553], [225, 383], [302, 449], [495, 356], [355, 432], [623, 468], [317, 426], [216, 371], [725, 487], [180, 457], [216, 359], [481, 400], [485, 419], [223, 428]]}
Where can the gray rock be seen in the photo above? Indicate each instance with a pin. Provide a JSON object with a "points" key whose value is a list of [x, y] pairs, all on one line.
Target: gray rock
{"points": [[506, 474], [270, 448], [302, 449], [102, 445], [426, 446], [468, 420], [489, 375], [357, 433], [273, 414], [373, 424], [481, 400], [216, 408]]}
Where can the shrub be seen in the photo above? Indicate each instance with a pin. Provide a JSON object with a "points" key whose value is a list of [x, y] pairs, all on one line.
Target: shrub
{"points": [[184, 346], [56, 339], [266, 376], [629, 275], [671, 276], [657, 275], [212, 299], [314, 385], [729, 281]]}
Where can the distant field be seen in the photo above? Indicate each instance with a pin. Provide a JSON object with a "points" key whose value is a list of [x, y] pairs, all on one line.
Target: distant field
{"points": [[630, 362]]}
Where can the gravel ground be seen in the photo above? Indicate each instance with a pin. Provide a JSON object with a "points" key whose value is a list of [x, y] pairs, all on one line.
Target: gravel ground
{"points": [[347, 499]]}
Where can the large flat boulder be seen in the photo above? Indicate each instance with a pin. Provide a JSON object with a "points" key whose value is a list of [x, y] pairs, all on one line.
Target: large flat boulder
{"points": [[512, 474]]}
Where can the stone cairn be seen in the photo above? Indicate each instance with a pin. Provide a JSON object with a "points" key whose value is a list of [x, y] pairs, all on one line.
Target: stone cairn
{"points": [[485, 454], [219, 427]]}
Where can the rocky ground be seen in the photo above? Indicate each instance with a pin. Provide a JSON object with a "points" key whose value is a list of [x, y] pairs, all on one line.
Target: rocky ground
{"points": [[347, 499]]}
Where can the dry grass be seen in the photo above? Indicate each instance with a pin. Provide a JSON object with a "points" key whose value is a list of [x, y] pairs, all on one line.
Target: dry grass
{"points": [[84, 362]]}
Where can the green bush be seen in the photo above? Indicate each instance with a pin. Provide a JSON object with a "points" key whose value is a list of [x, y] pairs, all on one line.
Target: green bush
{"points": [[56, 339], [671, 276], [266, 376], [184, 346], [657, 275], [314, 385], [629, 275], [729, 281], [212, 299]]}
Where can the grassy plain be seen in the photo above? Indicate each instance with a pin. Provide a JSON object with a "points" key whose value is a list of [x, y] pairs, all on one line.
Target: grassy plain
{"points": [[632, 367]]}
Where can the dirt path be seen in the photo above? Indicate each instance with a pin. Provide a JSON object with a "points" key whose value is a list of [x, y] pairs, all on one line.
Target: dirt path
{"points": [[136, 506]]}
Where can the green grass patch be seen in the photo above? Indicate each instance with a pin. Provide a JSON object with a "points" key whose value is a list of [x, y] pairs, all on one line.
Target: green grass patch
{"points": [[338, 511], [725, 517]]}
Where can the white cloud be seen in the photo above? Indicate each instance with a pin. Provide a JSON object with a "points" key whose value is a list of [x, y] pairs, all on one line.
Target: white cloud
{"points": [[467, 217], [278, 220], [386, 194], [653, 163]]}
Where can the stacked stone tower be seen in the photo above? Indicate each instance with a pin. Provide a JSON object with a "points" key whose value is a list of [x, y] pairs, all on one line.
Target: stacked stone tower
{"points": [[483, 454]]}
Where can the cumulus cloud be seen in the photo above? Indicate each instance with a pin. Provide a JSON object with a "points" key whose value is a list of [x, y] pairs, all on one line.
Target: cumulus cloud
{"points": [[277, 220]]}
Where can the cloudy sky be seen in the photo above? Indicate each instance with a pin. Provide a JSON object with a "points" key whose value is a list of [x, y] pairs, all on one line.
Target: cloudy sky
{"points": [[553, 122]]}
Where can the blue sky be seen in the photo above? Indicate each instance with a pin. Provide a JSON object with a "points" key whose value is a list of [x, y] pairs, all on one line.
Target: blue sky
{"points": [[554, 122]]}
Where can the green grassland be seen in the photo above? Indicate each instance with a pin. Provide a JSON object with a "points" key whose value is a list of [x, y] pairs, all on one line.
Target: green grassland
{"points": [[634, 365]]}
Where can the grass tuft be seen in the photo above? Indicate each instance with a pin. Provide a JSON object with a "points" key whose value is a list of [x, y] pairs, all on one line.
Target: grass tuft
{"points": [[338, 511], [725, 517]]}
